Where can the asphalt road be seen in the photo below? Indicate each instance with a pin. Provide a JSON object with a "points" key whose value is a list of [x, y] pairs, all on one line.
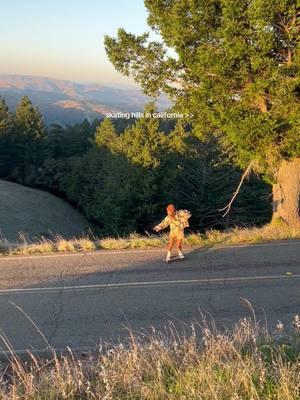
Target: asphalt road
{"points": [[82, 300]]}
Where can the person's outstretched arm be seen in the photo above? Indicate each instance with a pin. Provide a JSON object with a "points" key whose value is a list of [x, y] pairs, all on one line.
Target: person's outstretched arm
{"points": [[165, 222]]}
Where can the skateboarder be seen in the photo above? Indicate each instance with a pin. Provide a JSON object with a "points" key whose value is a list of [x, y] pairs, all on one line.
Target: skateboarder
{"points": [[177, 220]]}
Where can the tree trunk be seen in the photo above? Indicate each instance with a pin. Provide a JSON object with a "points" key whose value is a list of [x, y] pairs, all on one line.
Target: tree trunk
{"points": [[286, 193]]}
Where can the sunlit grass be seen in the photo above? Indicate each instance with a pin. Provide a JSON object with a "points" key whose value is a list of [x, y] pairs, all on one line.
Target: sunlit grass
{"points": [[85, 244], [234, 236], [63, 245], [246, 362]]}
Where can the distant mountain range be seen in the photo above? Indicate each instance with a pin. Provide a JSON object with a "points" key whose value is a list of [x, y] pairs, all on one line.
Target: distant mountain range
{"points": [[68, 102]]}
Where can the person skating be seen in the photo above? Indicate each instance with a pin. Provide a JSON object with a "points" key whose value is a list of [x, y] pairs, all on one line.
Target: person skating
{"points": [[177, 220]]}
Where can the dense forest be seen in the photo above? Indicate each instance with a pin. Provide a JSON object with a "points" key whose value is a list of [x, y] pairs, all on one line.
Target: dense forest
{"points": [[122, 173]]}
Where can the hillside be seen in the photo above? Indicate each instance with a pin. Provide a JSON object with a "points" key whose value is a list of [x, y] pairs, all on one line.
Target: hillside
{"points": [[68, 102], [34, 213]]}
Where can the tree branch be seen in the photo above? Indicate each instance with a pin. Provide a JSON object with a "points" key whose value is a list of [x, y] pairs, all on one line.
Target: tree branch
{"points": [[245, 175]]}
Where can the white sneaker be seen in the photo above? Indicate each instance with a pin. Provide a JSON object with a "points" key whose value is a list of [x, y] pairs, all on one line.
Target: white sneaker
{"points": [[168, 257], [180, 254]]}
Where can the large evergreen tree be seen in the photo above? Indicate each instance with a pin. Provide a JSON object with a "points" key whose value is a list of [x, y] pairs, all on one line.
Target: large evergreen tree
{"points": [[236, 69], [143, 143], [106, 136], [30, 133], [7, 145]]}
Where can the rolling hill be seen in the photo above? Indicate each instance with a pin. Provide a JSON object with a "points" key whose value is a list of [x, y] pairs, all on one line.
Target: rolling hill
{"points": [[35, 213], [68, 102]]}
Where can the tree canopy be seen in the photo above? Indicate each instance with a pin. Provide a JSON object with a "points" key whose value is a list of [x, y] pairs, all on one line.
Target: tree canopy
{"points": [[233, 64]]}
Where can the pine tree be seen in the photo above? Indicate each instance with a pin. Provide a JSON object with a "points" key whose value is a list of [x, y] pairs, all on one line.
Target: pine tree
{"points": [[78, 138], [56, 144], [30, 134], [143, 143], [106, 136], [7, 147]]}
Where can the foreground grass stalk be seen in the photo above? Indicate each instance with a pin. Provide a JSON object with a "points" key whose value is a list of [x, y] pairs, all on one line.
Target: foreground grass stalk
{"points": [[244, 363]]}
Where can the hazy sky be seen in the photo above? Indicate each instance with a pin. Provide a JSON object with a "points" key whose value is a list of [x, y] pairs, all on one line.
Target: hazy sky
{"points": [[64, 38]]}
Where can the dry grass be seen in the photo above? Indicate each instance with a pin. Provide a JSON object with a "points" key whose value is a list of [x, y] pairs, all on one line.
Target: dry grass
{"points": [[270, 232], [246, 363]]}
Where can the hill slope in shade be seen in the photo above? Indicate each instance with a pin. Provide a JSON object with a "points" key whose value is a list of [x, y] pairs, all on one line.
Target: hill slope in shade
{"points": [[68, 102], [35, 213]]}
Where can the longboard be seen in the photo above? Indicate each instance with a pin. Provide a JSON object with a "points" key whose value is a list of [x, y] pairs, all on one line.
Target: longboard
{"points": [[172, 259]]}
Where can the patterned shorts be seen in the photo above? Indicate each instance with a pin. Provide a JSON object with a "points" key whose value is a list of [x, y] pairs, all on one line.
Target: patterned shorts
{"points": [[179, 235]]}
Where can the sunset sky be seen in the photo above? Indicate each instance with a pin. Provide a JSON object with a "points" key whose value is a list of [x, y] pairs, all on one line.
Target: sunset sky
{"points": [[64, 38]]}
